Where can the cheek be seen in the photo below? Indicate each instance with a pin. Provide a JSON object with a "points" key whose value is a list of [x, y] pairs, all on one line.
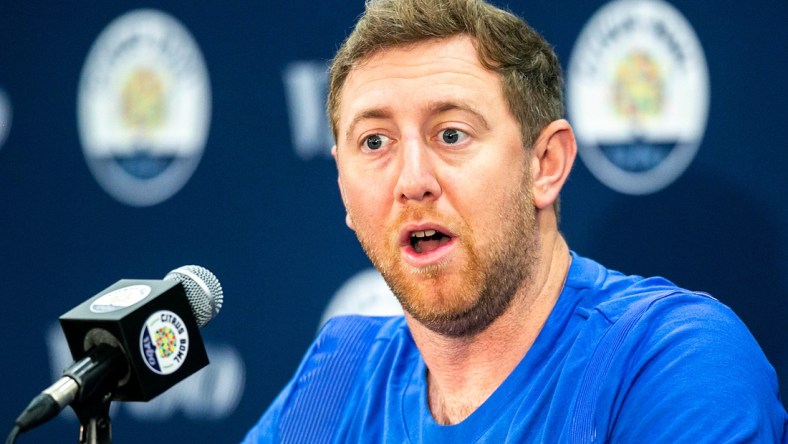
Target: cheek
{"points": [[483, 187], [367, 203], [487, 201]]}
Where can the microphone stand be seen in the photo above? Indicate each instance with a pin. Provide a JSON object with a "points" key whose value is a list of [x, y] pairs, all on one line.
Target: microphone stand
{"points": [[95, 425], [92, 408]]}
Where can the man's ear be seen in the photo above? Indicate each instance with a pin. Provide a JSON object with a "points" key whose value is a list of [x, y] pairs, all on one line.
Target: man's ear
{"points": [[348, 222], [553, 156]]}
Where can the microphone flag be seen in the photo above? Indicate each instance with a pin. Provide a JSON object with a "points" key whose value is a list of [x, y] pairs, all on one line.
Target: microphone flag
{"points": [[152, 322]]}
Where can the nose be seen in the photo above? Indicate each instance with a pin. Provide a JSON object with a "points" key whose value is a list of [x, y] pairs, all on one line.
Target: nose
{"points": [[417, 179]]}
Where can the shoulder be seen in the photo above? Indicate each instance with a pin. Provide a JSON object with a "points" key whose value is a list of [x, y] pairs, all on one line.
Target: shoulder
{"points": [[343, 345], [692, 362], [358, 327], [353, 338], [671, 365], [685, 359], [611, 294], [657, 329], [313, 403]]}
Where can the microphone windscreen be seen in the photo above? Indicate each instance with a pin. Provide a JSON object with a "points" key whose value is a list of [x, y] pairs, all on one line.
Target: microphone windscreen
{"points": [[202, 289]]}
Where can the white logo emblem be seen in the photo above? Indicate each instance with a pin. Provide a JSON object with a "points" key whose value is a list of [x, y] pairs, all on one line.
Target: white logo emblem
{"points": [[366, 294], [5, 116], [120, 298], [638, 95], [144, 107], [164, 342]]}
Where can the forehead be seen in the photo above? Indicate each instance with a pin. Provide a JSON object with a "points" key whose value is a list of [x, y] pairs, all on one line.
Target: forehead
{"points": [[405, 77]]}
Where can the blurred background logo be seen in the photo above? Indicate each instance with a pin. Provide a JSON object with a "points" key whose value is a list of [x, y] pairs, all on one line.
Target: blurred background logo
{"points": [[306, 89], [365, 293], [5, 116], [144, 107], [638, 95]]}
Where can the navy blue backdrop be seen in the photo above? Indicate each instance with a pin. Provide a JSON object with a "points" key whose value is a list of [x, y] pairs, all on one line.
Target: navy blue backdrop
{"points": [[261, 209]]}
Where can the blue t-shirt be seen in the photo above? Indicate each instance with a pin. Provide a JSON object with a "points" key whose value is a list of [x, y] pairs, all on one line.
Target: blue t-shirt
{"points": [[619, 359]]}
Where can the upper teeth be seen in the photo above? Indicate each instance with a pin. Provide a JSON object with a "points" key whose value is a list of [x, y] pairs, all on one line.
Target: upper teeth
{"points": [[423, 233]]}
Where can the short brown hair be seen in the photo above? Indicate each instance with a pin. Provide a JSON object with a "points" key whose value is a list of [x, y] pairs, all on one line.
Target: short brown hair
{"points": [[529, 69]]}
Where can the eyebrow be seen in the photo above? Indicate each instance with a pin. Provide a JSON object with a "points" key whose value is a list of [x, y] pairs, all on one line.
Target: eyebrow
{"points": [[374, 113], [444, 106], [432, 108]]}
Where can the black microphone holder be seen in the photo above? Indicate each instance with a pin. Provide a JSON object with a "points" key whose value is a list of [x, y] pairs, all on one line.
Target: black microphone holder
{"points": [[92, 408]]}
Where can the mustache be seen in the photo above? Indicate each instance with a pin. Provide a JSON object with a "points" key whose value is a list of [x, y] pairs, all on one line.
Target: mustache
{"points": [[428, 212]]}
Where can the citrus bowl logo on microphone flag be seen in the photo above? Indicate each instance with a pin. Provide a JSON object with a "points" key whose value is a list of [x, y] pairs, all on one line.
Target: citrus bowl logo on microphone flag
{"points": [[144, 107], [164, 342]]}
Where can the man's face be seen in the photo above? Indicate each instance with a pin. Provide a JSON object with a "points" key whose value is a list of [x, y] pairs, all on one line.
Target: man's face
{"points": [[436, 182]]}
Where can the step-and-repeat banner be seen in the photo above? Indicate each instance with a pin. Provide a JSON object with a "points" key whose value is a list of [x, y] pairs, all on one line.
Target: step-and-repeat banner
{"points": [[136, 138]]}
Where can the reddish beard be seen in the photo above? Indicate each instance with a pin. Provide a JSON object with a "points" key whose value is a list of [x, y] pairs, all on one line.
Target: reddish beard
{"points": [[468, 291]]}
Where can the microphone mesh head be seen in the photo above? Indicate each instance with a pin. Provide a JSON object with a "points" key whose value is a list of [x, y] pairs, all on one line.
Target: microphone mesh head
{"points": [[202, 289]]}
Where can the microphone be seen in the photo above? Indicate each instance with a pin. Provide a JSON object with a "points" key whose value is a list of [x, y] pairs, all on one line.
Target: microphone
{"points": [[132, 341]]}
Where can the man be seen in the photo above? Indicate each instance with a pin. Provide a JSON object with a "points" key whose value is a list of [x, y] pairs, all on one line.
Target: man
{"points": [[451, 152]]}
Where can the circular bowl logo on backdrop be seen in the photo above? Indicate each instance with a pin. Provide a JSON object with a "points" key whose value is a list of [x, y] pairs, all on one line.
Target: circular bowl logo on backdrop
{"points": [[144, 107], [638, 95], [164, 342], [5, 116]]}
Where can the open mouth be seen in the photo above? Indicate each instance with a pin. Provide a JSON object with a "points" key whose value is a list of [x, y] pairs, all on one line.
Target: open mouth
{"points": [[424, 241]]}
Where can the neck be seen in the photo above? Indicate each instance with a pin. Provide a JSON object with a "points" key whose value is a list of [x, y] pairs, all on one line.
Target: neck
{"points": [[463, 372]]}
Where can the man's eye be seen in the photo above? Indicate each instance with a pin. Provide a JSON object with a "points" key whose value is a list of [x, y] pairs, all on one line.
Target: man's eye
{"points": [[375, 141], [452, 136]]}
